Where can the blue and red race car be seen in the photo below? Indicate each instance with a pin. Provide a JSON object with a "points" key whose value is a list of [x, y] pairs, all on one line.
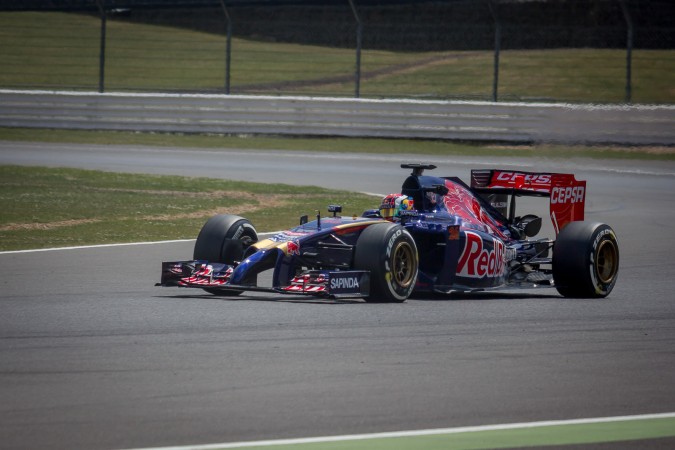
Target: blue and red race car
{"points": [[437, 235]]}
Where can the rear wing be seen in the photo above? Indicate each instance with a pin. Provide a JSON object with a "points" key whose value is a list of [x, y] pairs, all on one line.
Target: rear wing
{"points": [[567, 194]]}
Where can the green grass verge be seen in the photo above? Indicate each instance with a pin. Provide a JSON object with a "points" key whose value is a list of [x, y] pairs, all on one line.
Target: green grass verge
{"points": [[44, 208], [61, 50], [347, 145], [532, 437]]}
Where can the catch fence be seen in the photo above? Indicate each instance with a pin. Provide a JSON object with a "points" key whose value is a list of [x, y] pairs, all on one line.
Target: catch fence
{"points": [[592, 51]]}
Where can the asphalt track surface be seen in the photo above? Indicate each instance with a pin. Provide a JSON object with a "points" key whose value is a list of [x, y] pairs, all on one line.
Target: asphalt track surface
{"points": [[94, 356]]}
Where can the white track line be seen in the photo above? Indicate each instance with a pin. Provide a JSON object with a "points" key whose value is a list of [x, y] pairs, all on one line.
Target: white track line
{"points": [[437, 431], [127, 244], [82, 247]]}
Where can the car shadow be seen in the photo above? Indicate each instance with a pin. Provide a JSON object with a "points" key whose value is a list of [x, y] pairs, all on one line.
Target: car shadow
{"points": [[269, 298], [418, 297], [485, 295]]}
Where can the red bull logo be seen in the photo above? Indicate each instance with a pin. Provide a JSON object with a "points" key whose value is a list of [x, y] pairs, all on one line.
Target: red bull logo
{"points": [[293, 248], [477, 261]]}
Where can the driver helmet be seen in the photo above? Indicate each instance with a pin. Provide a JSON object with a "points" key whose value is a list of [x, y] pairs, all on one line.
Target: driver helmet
{"points": [[393, 204]]}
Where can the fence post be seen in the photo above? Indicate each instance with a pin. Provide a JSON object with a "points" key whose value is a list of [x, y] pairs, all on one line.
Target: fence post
{"points": [[498, 39], [228, 48], [629, 50], [101, 57], [359, 33]]}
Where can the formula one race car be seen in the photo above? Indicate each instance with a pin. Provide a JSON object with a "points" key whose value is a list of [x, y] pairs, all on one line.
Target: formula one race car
{"points": [[438, 235]]}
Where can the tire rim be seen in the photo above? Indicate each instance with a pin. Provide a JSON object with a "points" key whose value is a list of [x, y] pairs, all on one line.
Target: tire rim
{"points": [[607, 259], [404, 264]]}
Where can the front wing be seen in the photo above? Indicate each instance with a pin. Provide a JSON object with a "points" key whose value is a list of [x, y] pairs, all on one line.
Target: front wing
{"points": [[216, 276]]}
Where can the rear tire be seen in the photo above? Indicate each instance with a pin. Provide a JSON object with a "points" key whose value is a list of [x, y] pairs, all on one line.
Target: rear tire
{"points": [[586, 260], [389, 252], [223, 239]]}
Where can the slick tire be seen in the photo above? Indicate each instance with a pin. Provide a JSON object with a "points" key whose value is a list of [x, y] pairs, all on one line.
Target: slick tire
{"points": [[223, 239], [389, 252], [586, 260]]}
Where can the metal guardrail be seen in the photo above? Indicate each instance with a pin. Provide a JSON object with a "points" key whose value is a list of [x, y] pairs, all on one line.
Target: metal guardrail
{"points": [[452, 120]]}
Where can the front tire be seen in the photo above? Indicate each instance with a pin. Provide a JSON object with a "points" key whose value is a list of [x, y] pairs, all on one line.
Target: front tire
{"points": [[223, 239], [389, 252], [586, 260]]}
